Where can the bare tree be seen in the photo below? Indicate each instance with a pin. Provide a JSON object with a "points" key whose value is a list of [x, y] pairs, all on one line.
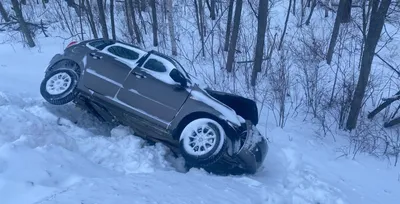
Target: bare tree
{"points": [[72, 4], [235, 34], [261, 29], [90, 19], [155, 24], [23, 25], [285, 26], [377, 20], [4, 13], [212, 9], [134, 23], [128, 18], [228, 25], [341, 17], [171, 27], [327, 8], [314, 3], [102, 18], [198, 4], [114, 36]]}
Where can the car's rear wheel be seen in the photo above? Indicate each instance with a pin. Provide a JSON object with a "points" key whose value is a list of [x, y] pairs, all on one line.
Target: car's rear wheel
{"points": [[202, 142], [58, 87]]}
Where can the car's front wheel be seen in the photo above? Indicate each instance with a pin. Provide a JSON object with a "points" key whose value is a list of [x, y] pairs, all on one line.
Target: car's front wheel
{"points": [[58, 87], [202, 142]]}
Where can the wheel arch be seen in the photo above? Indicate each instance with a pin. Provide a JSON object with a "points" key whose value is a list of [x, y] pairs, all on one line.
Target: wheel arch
{"points": [[64, 63], [196, 115]]}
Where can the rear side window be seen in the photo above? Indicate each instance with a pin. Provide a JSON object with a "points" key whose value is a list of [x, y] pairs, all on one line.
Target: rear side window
{"points": [[155, 65], [123, 52], [101, 44]]}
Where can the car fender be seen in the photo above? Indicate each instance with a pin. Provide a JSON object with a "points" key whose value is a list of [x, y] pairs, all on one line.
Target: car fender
{"points": [[200, 102]]}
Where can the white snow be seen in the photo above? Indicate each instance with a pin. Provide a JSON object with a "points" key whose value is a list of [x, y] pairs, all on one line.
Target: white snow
{"points": [[46, 160]]}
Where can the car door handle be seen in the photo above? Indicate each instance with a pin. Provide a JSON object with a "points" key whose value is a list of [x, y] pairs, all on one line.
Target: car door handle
{"points": [[138, 75], [94, 56]]}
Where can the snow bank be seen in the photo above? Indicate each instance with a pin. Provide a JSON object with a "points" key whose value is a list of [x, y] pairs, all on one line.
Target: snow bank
{"points": [[76, 159], [41, 155]]}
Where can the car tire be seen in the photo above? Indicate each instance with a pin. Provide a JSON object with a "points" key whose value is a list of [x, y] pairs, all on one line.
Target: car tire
{"points": [[210, 139], [59, 86]]}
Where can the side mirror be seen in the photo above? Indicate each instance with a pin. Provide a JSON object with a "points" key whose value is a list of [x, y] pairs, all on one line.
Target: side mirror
{"points": [[178, 77]]}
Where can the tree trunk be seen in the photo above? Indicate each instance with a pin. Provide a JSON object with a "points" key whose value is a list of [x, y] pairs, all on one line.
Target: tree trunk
{"points": [[198, 4], [102, 18], [90, 18], [24, 27], [135, 25], [314, 3], [235, 34], [294, 7], [228, 25], [81, 5], [335, 31], [143, 5], [212, 10], [114, 36], [346, 17], [71, 3], [285, 27], [171, 27], [129, 19], [155, 24], [377, 21], [4, 13], [326, 8], [261, 29]]}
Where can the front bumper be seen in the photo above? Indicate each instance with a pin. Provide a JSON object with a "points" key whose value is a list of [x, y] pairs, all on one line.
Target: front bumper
{"points": [[254, 149]]}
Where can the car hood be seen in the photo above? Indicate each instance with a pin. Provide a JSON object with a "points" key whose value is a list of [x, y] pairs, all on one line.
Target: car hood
{"points": [[244, 107]]}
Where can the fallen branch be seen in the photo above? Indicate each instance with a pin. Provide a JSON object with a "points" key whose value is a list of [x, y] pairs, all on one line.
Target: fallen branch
{"points": [[387, 63]]}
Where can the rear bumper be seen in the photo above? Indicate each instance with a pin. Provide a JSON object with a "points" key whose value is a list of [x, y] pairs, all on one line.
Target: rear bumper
{"points": [[252, 153]]}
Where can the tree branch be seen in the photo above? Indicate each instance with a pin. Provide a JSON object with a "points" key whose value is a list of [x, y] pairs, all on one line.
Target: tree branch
{"points": [[387, 63]]}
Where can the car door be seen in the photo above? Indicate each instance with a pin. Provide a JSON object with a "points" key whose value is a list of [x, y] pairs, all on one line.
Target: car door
{"points": [[151, 91], [106, 69]]}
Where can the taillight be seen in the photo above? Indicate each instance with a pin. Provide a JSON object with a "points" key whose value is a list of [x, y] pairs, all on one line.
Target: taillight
{"points": [[71, 43]]}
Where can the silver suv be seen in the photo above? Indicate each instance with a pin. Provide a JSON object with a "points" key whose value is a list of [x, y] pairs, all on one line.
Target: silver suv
{"points": [[154, 95]]}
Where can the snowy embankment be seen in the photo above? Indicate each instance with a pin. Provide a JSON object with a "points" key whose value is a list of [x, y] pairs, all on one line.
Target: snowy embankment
{"points": [[44, 159]]}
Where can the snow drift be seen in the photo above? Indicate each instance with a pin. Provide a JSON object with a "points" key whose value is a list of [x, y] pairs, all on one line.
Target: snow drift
{"points": [[54, 154]]}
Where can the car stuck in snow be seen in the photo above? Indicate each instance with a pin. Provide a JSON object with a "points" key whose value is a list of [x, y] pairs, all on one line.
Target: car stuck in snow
{"points": [[154, 95]]}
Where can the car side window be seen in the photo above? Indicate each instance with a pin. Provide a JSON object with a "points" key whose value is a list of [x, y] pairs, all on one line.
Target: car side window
{"points": [[155, 65], [123, 52], [101, 44]]}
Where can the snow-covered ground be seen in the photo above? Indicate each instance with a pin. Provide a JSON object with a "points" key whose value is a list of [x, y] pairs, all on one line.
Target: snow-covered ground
{"points": [[76, 159]]}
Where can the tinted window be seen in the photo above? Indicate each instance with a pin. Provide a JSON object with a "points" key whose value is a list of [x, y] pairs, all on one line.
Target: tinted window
{"points": [[123, 52], [101, 44], [155, 65]]}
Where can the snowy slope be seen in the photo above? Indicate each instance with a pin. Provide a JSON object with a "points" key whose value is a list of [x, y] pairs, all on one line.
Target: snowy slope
{"points": [[78, 160]]}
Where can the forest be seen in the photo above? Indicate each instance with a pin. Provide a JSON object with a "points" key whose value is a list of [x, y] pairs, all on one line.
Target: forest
{"points": [[325, 62]]}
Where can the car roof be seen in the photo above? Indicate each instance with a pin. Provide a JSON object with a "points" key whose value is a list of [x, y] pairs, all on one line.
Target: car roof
{"points": [[103, 43]]}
